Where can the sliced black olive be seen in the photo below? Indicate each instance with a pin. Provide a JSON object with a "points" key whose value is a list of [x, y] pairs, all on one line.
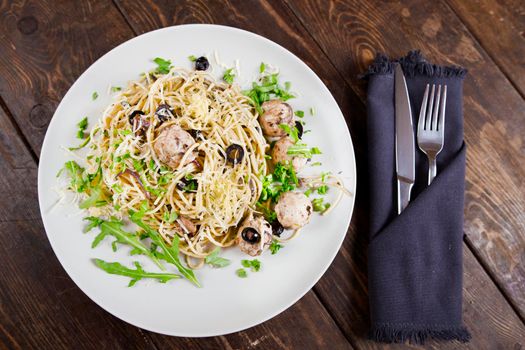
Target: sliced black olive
{"points": [[234, 154], [201, 63], [187, 184], [250, 235], [299, 127], [277, 228], [196, 134], [134, 114], [163, 112]]}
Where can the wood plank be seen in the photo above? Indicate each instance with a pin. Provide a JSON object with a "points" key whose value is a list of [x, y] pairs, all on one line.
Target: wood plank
{"points": [[499, 26], [44, 47], [494, 130], [40, 307], [45, 67], [344, 287]]}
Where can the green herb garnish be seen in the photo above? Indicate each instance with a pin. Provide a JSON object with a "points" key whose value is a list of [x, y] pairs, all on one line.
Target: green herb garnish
{"points": [[241, 273], [262, 67], [312, 111], [215, 260], [228, 76], [292, 131], [319, 205], [82, 126], [275, 246], [136, 275], [115, 88], [192, 58], [163, 66], [300, 114], [300, 149], [267, 89], [283, 179], [170, 217], [254, 264], [322, 189], [94, 96]]}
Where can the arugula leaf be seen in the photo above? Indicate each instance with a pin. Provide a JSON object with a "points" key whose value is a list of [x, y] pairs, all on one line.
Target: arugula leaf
{"points": [[82, 126], [215, 260], [114, 228], [169, 254], [228, 76], [301, 149], [292, 131], [275, 246], [82, 145], [254, 264], [319, 205], [267, 89], [136, 275], [300, 114], [282, 180], [94, 96], [241, 273], [79, 181], [163, 66]]}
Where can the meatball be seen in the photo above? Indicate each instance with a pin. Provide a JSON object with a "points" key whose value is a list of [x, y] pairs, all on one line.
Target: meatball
{"points": [[293, 210], [171, 145], [275, 113], [254, 235], [280, 154]]}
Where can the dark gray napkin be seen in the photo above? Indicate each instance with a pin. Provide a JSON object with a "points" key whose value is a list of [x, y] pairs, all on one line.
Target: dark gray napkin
{"points": [[415, 259]]}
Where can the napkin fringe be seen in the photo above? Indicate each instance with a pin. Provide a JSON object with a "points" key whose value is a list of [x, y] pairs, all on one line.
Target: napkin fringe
{"points": [[413, 64], [390, 333]]}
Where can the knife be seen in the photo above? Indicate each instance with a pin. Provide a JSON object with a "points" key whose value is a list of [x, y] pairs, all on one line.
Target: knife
{"points": [[405, 157]]}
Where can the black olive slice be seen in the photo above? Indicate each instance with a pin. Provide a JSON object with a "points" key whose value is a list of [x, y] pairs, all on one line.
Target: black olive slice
{"points": [[250, 235], [277, 228], [163, 112], [299, 127], [201, 63], [234, 154], [134, 114], [196, 134]]}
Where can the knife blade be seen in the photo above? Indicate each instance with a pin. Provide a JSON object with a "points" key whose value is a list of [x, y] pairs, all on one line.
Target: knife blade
{"points": [[405, 149]]}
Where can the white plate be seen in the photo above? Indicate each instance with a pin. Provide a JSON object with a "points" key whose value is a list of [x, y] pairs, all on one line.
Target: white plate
{"points": [[226, 303]]}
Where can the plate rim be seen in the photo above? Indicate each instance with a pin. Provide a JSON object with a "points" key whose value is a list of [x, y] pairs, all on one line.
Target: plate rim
{"points": [[270, 315]]}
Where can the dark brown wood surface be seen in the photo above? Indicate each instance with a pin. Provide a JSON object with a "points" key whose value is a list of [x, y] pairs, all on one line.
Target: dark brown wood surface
{"points": [[46, 45]]}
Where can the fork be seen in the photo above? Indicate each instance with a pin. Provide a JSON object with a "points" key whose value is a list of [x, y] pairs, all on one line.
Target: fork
{"points": [[431, 127]]}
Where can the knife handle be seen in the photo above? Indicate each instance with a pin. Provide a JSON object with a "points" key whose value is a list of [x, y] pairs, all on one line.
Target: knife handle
{"points": [[403, 194]]}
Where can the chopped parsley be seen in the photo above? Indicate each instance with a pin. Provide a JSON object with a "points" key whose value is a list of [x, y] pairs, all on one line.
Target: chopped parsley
{"points": [[292, 131], [115, 88], [308, 192], [241, 273], [262, 67], [287, 85], [322, 189], [192, 58], [163, 66], [170, 217], [254, 264], [228, 76], [94, 96], [283, 179], [275, 247], [319, 205], [82, 126], [267, 89], [215, 260], [316, 164]]}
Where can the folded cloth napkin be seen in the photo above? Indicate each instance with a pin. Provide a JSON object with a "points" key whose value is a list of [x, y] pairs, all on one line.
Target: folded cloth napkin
{"points": [[415, 259]]}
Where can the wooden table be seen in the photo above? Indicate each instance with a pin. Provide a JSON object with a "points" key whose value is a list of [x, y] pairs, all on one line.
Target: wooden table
{"points": [[45, 45]]}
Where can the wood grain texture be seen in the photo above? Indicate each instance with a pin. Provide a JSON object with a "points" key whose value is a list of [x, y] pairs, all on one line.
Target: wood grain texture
{"points": [[499, 26], [351, 32], [45, 48], [40, 307], [343, 289]]}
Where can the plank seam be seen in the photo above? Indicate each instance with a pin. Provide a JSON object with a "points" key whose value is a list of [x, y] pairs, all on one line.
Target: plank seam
{"points": [[470, 246], [123, 14], [485, 50], [18, 130]]}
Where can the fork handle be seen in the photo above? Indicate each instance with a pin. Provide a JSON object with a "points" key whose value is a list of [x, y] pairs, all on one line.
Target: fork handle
{"points": [[432, 169]]}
